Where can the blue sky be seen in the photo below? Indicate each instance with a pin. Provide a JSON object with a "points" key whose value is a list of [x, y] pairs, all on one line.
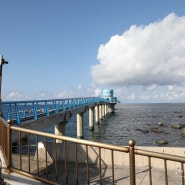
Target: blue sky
{"points": [[62, 49]]}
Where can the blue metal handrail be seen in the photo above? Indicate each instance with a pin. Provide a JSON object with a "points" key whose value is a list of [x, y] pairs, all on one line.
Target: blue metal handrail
{"points": [[20, 111]]}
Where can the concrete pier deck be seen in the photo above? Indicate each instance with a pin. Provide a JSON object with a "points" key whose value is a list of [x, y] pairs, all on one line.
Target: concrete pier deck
{"points": [[121, 168], [121, 175]]}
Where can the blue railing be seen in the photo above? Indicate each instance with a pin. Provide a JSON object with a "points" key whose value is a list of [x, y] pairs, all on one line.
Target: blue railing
{"points": [[20, 111]]}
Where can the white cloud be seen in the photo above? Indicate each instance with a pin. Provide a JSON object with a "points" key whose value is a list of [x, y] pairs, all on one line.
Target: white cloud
{"points": [[144, 55], [151, 87], [77, 92], [165, 93], [79, 87], [62, 95], [41, 96], [14, 95], [131, 96], [170, 87], [98, 92]]}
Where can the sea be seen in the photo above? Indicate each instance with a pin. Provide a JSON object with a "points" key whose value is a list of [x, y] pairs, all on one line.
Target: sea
{"points": [[136, 121]]}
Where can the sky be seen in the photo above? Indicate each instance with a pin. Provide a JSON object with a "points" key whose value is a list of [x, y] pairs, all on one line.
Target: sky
{"points": [[70, 48]]}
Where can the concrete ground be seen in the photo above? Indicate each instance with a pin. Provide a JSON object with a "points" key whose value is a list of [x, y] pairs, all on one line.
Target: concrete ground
{"points": [[17, 179], [121, 176]]}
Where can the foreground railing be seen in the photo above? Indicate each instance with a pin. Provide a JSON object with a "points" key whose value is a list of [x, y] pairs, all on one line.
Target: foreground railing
{"points": [[5, 140], [19, 111], [179, 172], [34, 166], [63, 160]]}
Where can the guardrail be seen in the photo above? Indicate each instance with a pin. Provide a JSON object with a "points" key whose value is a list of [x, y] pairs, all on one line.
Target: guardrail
{"points": [[19, 111], [5, 140], [49, 162]]}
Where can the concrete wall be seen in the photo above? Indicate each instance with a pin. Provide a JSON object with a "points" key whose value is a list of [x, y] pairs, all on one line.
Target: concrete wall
{"points": [[159, 163], [120, 158]]}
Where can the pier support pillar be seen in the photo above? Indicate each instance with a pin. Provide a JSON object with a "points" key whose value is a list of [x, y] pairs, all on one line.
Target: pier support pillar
{"points": [[91, 118], [80, 126], [100, 112], [106, 109], [97, 114], [60, 130], [103, 111]]}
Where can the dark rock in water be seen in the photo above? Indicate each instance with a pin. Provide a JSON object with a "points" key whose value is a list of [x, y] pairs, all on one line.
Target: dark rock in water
{"points": [[177, 126], [160, 124], [142, 130], [145, 131], [161, 142], [177, 112], [157, 131], [156, 127], [180, 116], [183, 132], [138, 129]]}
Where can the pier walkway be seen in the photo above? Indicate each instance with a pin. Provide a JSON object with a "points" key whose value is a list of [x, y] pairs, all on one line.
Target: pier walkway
{"points": [[121, 175], [21, 112], [41, 114], [142, 177]]}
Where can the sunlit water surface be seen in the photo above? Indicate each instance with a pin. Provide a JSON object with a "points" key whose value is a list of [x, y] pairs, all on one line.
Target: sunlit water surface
{"points": [[124, 124]]}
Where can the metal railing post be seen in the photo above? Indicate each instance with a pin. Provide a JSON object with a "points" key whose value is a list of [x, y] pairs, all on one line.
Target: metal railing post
{"points": [[131, 144], [9, 145], [2, 61]]}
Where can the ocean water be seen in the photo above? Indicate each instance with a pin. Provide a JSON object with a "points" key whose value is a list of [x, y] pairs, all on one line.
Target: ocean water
{"points": [[128, 120]]}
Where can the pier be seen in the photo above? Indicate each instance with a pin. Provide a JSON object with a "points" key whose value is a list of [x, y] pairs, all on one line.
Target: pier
{"points": [[40, 114]]}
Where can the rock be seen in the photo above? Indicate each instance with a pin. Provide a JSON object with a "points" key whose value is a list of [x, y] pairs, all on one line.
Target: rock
{"points": [[160, 124], [142, 130], [145, 131], [155, 127], [161, 142], [177, 126], [183, 132], [177, 112], [138, 129], [155, 130], [180, 116]]}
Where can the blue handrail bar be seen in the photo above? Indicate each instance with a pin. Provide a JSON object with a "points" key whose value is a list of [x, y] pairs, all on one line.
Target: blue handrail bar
{"points": [[19, 111]]}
